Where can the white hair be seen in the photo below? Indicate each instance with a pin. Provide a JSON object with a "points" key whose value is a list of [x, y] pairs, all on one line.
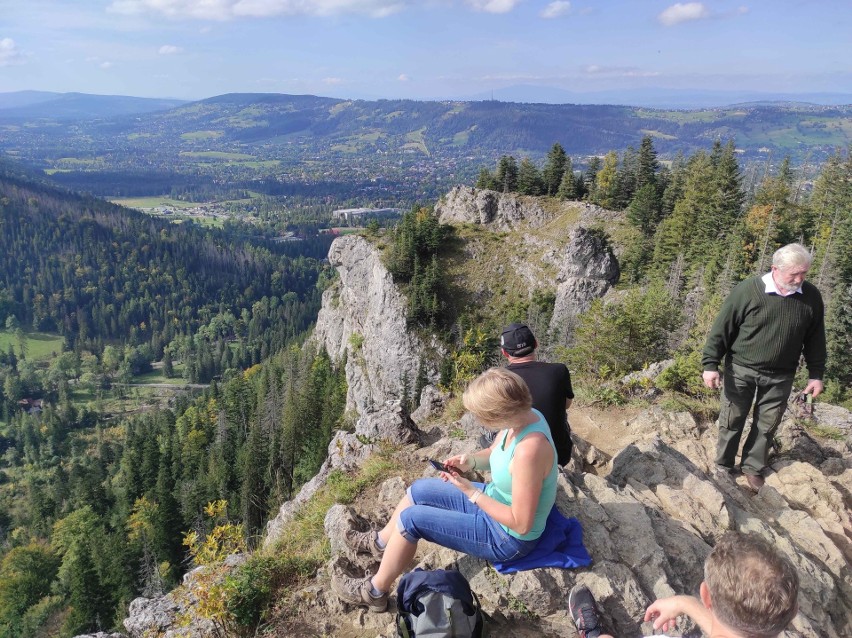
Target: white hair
{"points": [[792, 255]]}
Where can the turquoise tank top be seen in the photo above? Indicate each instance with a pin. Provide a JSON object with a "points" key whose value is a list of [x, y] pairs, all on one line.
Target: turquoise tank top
{"points": [[500, 488]]}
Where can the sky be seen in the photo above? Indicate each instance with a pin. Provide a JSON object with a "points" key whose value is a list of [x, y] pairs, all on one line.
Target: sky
{"points": [[422, 49]]}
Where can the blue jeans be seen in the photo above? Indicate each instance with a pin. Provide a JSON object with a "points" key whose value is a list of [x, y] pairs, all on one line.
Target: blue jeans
{"points": [[442, 514]]}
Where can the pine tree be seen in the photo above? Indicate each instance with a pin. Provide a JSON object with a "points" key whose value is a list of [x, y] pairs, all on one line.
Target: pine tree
{"points": [[569, 182], [529, 178], [486, 180], [648, 166], [644, 211], [554, 169], [507, 175], [590, 176], [626, 178]]}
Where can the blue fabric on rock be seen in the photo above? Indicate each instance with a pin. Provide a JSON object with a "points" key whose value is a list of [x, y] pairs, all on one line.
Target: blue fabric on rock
{"points": [[560, 545]]}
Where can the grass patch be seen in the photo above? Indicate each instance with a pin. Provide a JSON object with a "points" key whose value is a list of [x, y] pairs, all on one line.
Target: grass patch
{"points": [[822, 431], [658, 134], [700, 409], [156, 376], [201, 135], [305, 535], [153, 202], [40, 345], [260, 589]]}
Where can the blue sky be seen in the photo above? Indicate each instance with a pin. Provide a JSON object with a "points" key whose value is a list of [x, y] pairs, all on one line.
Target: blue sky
{"points": [[424, 49]]}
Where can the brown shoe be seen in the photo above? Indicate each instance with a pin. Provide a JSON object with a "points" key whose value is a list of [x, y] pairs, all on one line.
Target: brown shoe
{"points": [[755, 481], [364, 543], [356, 591]]}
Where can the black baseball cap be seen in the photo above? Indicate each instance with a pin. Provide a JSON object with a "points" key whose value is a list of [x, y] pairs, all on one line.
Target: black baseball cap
{"points": [[517, 340]]}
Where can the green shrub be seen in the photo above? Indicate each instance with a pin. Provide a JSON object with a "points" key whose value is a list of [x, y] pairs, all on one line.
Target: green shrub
{"points": [[617, 338], [684, 376], [251, 588]]}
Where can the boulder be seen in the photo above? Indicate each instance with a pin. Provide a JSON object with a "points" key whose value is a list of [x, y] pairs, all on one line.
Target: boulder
{"points": [[588, 270]]}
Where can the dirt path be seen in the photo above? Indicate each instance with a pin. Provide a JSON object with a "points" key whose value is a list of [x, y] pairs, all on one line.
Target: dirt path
{"points": [[606, 429]]}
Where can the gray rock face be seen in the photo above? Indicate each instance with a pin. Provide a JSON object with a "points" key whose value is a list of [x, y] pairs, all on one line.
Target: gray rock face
{"points": [[589, 269], [499, 211], [432, 402], [649, 522], [365, 315]]}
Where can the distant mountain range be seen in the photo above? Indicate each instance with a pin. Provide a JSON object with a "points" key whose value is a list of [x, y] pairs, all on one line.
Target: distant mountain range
{"points": [[269, 141], [661, 98], [74, 106]]}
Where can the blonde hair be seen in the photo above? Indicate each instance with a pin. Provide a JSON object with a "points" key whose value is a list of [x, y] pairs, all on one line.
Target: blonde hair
{"points": [[495, 395], [753, 588]]}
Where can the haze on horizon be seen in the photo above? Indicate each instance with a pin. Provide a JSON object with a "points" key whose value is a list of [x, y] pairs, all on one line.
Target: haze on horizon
{"points": [[429, 49]]}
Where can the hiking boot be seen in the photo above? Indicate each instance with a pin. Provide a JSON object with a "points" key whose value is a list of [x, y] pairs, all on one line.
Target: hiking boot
{"points": [[755, 482], [364, 542], [356, 591], [724, 473], [581, 605]]}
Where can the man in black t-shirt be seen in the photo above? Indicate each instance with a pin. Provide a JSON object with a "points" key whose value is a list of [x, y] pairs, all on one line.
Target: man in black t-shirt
{"points": [[549, 383]]}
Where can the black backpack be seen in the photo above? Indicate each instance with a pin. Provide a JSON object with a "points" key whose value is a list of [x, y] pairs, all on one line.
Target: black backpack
{"points": [[437, 604]]}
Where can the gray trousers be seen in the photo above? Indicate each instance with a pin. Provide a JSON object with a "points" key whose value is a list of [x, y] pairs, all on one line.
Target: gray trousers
{"points": [[742, 388]]}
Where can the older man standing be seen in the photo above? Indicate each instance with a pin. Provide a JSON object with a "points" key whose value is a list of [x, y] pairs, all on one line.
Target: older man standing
{"points": [[764, 326]]}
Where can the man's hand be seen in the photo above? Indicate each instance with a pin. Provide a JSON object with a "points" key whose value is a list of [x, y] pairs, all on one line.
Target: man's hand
{"points": [[664, 612], [712, 379], [814, 387]]}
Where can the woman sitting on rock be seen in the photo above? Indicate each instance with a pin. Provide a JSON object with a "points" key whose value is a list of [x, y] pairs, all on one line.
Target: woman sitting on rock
{"points": [[498, 521]]}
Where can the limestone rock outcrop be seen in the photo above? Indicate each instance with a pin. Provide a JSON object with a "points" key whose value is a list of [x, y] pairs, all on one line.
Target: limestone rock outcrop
{"points": [[499, 211], [364, 317], [588, 270]]}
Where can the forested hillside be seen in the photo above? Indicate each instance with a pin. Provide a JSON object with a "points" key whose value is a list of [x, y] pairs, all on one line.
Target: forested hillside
{"points": [[94, 508], [101, 275], [693, 230], [380, 152]]}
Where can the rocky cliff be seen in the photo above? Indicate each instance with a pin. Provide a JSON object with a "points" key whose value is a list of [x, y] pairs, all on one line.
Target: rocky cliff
{"points": [[363, 316]]}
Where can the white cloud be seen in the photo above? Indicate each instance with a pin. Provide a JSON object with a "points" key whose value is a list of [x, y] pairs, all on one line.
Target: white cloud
{"points": [[403, 77], [222, 10], [332, 81], [556, 9], [10, 53], [105, 65], [683, 12], [493, 6], [169, 49]]}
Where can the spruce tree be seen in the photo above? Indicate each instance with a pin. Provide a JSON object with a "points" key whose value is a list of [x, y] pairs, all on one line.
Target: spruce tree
{"points": [[507, 175], [568, 184], [554, 169], [647, 163], [529, 178]]}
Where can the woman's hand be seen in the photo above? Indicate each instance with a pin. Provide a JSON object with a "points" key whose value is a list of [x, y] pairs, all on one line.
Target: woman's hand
{"points": [[460, 482], [462, 462]]}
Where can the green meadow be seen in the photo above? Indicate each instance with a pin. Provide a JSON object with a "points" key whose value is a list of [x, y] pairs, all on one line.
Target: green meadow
{"points": [[40, 345]]}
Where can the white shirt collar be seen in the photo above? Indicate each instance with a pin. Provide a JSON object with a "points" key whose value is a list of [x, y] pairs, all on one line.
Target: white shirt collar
{"points": [[772, 289]]}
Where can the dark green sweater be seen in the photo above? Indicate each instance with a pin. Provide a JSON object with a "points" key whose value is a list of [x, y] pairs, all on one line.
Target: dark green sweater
{"points": [[768, 332]]}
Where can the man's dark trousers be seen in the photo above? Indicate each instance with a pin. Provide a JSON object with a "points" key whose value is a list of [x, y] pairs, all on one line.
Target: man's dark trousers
{"points": [[769, 393]]}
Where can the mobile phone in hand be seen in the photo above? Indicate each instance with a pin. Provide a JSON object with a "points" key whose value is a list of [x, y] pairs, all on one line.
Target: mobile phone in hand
{"points": [[439, 466]]}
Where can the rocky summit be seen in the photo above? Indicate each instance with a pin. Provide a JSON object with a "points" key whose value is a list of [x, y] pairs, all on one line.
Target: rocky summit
{"points": [[641, 481]]}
